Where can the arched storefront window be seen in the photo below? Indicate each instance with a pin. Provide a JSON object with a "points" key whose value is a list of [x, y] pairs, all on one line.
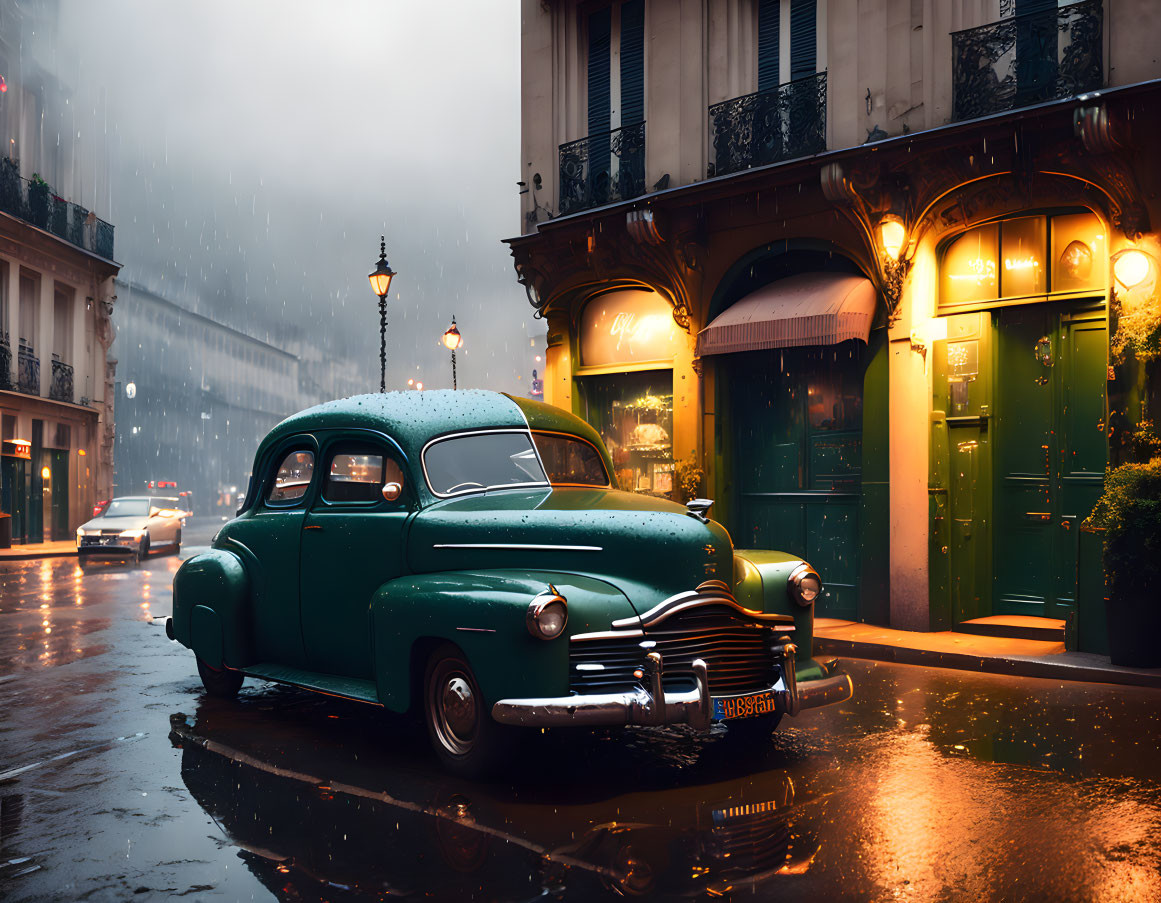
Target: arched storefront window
{"points": [[627, 342]]}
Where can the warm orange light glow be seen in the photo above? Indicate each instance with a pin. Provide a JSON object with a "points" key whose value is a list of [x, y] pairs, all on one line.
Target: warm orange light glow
{"points": [[81, 452], [1131, 267], [45, 473], [452, 338], [892, 233]]}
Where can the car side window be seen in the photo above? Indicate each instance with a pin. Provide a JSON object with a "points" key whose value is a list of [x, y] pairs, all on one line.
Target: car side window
{"points": [[292, 479], [358, 473]]}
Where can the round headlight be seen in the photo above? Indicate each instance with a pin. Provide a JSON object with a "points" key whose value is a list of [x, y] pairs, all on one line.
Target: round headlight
{"points": [[547, 615], [804, 585]]}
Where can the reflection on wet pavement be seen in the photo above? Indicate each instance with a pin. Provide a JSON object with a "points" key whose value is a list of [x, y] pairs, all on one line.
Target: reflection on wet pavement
{"points": [[119, 779]]}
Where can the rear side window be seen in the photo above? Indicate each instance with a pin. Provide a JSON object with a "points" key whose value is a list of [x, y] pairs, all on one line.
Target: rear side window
{"points": [[570, 460], [292, 479], [357, 474]]}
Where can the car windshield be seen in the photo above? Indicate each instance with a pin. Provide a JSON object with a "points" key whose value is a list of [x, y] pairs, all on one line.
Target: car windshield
{"points": [[127, 508], [475, 461], [570, 460]]}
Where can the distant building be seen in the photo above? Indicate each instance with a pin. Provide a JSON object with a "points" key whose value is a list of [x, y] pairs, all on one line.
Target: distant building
{"points": [[195, 397], [56, 291]]}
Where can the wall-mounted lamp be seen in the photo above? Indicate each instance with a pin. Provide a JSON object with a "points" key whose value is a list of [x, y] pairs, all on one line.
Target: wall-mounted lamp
{"points": [[1131, 267], [926, 334], [893, 234]]}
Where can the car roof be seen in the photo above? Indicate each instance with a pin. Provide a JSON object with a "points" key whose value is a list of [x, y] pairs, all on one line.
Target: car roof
{"points": [[415, 417]]}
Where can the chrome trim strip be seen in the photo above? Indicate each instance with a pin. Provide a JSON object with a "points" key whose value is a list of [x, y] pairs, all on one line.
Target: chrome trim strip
{"points": [[515, 545], [695, 599], [477, 629], [607, 635]]}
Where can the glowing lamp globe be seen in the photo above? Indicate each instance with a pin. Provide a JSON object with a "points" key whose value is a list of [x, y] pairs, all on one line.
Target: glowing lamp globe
{"points": [[892, 233], [381, 276], [1131, 267], [452, 338]]}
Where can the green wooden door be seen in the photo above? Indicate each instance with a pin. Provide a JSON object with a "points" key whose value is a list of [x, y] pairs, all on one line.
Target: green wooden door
{"points": [[961, 485], [796, 418], [1050, 452]]}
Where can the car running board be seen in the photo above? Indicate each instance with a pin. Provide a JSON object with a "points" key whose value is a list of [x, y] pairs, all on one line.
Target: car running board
{"points": [[344, 687]]}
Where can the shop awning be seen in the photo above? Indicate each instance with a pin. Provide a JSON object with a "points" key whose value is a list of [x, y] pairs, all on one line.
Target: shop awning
{"points": [[806, 309]]}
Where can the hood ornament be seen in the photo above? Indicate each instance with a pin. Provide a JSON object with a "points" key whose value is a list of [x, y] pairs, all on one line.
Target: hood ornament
{"points": [[699, 508]]}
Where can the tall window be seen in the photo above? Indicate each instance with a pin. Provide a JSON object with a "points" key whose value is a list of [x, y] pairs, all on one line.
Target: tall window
{"points": [[29, 308], [616, 88], [62, 324], [800, 19]]}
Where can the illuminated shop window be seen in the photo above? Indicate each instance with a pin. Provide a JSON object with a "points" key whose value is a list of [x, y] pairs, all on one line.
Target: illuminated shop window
{"points": [[1026, 257], [1022, 270], [633, 412], [1080, 253], [971, 267]]}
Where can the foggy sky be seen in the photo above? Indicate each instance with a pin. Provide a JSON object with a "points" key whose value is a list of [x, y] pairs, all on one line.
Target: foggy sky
{"points": [[260, 148]]}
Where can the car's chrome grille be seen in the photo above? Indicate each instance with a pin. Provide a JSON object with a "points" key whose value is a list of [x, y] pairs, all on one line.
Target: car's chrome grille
{"points": [[736, 652]]}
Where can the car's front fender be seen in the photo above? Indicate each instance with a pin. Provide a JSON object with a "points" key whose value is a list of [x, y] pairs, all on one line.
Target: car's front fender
{"points": [[760, 581], [211, 613], [483, 613]]}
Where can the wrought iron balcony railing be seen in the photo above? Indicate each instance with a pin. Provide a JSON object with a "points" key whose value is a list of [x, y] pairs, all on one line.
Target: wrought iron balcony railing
{"points": [[602, 169], [35, 203], [776, 124], [1027, 59], [5, 362], [62, 381], [28, 367]]}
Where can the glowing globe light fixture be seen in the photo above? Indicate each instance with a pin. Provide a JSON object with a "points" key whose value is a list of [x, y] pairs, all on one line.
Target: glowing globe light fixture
{"points": [[1131, 267], [453, 340], [892, 233], [380, 284]]}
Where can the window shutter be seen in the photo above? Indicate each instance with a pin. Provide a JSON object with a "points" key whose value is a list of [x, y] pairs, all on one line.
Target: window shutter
{"points": [[803, 45], [633, 62], [768, 37], [599, 71]]}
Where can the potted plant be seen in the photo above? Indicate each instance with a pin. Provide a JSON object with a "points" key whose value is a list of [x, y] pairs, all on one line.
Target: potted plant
{"points": [[1129, 515]]}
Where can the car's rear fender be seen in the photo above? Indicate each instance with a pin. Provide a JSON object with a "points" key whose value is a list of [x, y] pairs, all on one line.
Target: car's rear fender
{"points": [[211, 612], [484, 614]]}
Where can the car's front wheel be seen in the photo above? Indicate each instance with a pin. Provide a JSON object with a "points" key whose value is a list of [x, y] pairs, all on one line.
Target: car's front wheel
{"points": [[462, 732], [220, 682]]}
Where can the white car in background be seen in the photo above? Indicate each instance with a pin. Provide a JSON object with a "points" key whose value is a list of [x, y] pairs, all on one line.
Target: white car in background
{"points": [[130, 528]]}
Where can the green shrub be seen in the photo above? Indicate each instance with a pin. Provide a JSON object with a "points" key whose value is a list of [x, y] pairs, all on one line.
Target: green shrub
{"points": [[1129, 514]]}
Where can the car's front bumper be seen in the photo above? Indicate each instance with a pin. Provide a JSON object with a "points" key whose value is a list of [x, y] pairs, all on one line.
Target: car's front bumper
{"points": [[650, 704], [118, 548]]}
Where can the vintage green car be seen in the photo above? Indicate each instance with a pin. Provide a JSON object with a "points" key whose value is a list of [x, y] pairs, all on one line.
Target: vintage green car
{"points": [[467, 556]]}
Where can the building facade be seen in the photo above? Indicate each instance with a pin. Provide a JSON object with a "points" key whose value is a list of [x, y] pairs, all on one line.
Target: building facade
{"points": [[850, 268], [195, 398], [56, 292]]}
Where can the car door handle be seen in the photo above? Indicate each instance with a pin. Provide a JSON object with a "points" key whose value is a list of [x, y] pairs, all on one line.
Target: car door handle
{"points": [[313, 527]]}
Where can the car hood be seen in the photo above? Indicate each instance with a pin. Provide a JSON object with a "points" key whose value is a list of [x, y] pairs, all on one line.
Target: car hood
{"points": [[648, 548], [120, 524]]}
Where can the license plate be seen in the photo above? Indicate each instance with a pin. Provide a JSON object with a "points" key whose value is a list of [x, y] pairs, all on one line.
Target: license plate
{"points": [[745, 706]]}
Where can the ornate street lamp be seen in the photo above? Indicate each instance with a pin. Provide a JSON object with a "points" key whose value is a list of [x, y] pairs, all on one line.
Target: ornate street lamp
{"points": [[452, 340], [380, 285]]}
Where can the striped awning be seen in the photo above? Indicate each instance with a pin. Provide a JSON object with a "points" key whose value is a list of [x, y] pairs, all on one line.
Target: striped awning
{"points": [[806, 309]]}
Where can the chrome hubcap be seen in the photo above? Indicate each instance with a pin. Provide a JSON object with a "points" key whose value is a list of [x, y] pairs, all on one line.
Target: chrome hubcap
{"points": [[454, 709]]}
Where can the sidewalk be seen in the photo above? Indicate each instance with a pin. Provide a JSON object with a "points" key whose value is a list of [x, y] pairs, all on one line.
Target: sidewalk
{"points": [[969, 652], [61, 549]]}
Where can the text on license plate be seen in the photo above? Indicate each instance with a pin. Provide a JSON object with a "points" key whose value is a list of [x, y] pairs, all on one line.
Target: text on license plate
{"points": [[745, 706]]}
